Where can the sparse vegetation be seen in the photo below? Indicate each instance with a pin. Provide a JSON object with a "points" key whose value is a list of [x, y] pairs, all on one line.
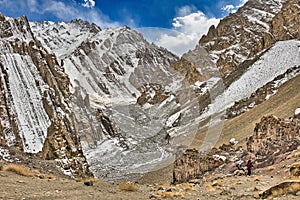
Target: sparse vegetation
{"points": [[21, 170], [129, 187], [18, 169]]}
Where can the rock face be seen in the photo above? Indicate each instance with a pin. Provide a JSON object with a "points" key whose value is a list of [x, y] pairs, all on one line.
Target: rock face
{"points": [[108, 94], [243, 35], [295, 169], [272, 137], [35, 105], [69, 89], [193, 164], [239, 46], [285, 24]]}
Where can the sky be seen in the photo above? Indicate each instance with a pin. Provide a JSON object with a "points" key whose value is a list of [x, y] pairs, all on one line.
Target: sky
{"points": [[174, 24]]}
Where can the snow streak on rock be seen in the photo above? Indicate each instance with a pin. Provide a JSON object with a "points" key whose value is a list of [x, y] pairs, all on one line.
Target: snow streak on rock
{"points": [[21, 87], [35, 100], [283, 56], [27, 100]]}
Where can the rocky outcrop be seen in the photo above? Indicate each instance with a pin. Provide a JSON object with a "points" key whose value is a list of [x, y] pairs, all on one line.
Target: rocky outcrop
{"points": [[283, 188], [188, 70], [193, 164], [109, 128], [295, 169], [20, 26], [272, 137], [35, 101], [67, 152], [10, 128], [285, 24], [152, 93]]}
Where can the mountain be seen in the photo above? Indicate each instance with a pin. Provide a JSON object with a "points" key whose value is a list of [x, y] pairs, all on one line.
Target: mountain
{"points": [[104, 101], [247, 50], [263, 82], [260, 73], [36, 114], [253, 29], [119, 97]]}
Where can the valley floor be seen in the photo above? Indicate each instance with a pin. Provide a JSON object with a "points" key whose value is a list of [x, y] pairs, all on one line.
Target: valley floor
{"points": [[213, 186]]}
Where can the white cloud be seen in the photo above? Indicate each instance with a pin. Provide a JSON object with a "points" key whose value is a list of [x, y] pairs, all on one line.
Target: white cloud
{"points": [[64, 11], [185, 34], [32, 5], [231, 8], [60, 10], [98, 18], [178, 44], [194, 23], [67, 12], [10, 5], [185, 10], [228, 8], [88, 3]]}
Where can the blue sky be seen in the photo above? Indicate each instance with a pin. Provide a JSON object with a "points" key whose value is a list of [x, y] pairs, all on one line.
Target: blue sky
{"points": [[174, 24]]}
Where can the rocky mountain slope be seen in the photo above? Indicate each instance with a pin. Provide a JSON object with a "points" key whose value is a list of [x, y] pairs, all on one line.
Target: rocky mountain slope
{"points": [[250, 31], [271, 140], [36, 113], [108, 91], [229, 49], [126, 97], [245, 52]]}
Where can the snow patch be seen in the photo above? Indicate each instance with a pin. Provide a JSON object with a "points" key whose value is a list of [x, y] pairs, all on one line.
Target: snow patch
{"points": [[283, 56], [170, 121], [4, 154]]}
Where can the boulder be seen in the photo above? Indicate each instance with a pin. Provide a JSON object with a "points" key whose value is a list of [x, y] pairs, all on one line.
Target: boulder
{"points": [[283, 188], [272, 137], [295, 169]]}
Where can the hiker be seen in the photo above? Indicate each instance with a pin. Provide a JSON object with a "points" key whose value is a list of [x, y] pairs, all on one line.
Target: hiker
{"points": [[239, 165], [249, 166]]}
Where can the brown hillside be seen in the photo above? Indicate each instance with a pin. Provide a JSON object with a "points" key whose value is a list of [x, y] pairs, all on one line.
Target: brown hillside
{"points": [[282, 104]]}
